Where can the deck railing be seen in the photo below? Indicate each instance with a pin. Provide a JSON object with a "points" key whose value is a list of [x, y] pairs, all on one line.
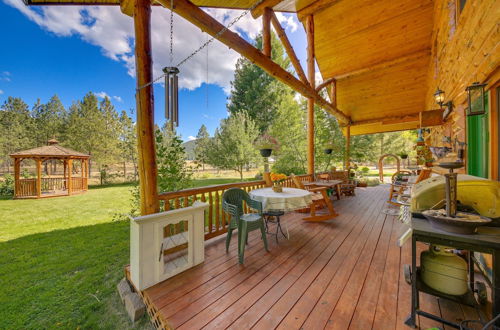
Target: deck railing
{"points": [[216, 220]]}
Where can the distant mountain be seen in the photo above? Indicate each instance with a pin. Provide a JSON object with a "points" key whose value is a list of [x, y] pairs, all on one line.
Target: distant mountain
{"points": [[189, 147]]}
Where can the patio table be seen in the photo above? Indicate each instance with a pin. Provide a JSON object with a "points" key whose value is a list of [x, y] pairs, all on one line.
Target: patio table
{"points": [[332, 184], [290, 199]]}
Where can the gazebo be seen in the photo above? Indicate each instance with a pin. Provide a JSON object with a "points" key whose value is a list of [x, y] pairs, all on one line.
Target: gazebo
{"points": [[51, 183]]}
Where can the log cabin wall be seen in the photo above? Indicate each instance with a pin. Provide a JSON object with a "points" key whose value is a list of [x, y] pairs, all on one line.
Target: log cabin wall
{"points": [[464, 50]]}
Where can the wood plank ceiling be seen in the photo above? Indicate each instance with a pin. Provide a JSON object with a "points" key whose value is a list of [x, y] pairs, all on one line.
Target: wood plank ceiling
{"points": [[379, 52]]}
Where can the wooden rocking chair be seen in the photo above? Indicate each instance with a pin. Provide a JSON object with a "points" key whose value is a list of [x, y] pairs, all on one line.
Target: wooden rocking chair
{"points": [[320, 199], [399, 189]]}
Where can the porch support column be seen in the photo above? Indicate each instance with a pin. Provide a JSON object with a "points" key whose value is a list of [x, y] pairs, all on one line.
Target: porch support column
{"points": [[310, 101], [38, 177], [70, 172], [145, 109], [266, 32], [65, 163], [347, 147]]}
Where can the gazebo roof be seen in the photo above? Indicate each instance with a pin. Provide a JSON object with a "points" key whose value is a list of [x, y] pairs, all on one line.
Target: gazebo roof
{"points": [[51, 150]]}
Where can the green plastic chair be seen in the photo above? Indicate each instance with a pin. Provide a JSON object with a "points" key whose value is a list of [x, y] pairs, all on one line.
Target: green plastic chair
{"points": [[232, 204]]}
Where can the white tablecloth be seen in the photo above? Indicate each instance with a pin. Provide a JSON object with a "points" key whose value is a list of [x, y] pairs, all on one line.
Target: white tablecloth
{"points": [[290, 199]]}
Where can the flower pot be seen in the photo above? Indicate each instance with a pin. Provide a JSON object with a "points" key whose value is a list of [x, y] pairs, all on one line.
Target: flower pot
{"points": [[362, 184], [404, 156], [265, 152], [328, 151], [278, 188]]}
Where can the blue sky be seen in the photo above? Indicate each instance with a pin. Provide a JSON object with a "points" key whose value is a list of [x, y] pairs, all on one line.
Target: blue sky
{"points": [[70, 51]]}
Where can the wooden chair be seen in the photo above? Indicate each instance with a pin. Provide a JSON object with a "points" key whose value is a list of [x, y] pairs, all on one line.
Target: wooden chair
{"points": [[347, 187], [399, 189], [320, 199]]}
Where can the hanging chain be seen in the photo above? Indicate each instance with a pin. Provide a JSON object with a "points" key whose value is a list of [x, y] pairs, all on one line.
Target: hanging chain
{"points": [[171, 32], [218, 34]]}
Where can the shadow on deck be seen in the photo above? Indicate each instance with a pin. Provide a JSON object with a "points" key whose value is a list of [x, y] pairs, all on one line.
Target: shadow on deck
{"points": [[342, 274]]}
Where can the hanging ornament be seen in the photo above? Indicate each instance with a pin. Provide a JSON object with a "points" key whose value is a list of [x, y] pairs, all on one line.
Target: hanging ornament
{"points": [[172, 95]]}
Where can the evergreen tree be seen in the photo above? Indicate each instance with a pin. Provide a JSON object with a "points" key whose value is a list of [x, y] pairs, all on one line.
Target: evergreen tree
{"points": [[202, 145], [232, 146], [49, 119], [128, 142], [255, 92], [173, 171], [17, 128]]}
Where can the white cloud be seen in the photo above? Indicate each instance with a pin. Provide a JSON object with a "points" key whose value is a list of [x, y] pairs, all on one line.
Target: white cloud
{"points": [[191, 138], [102, 95], [117, 98], [112, 31], [289, 21], [5, 76], [1, 92]]}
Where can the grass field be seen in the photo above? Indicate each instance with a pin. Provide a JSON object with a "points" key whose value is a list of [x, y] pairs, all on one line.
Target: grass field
{"points": [[61, 258]]}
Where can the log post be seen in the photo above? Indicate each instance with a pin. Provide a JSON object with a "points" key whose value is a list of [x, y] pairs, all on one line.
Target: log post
{"points": [[17, 173], [38, 177], [65, 163], [347, 147], [266, 32], [310, 101], [145, 109], [70, 172]]}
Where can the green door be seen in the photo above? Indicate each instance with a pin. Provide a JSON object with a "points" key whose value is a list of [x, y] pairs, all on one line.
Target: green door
{"points": [[477, 143]]}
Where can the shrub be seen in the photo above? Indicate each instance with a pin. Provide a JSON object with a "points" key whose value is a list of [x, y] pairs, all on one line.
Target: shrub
{"points": [[7, 185]]}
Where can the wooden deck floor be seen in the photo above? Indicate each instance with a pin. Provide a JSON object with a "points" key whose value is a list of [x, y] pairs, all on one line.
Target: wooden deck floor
{"points": [[343, 274]]}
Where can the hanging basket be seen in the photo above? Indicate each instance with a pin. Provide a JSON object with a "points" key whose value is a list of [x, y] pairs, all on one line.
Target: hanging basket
{"points": [[328, 151], [265, 152]]}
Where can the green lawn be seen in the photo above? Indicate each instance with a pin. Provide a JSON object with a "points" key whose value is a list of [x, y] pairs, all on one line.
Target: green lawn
{"points": [[61, 258]]}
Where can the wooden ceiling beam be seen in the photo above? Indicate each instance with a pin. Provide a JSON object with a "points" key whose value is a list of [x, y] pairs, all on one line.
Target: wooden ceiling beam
{"points": [[259, 10], [288, 48], [426, 118], [314, 7], [383, 65], [208, 24]]}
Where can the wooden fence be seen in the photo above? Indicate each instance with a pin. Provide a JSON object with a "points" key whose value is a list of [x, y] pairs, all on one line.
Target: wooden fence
{"points": [[216, 220]]}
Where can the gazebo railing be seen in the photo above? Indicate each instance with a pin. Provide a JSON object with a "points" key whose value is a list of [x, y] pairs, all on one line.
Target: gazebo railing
{"points": [[27, 187]]}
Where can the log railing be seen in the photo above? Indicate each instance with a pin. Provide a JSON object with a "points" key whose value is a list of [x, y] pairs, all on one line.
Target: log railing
{"points": [[216, 220]]}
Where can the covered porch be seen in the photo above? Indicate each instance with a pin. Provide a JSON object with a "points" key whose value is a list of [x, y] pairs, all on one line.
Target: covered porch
{"points": [[345, 273]]}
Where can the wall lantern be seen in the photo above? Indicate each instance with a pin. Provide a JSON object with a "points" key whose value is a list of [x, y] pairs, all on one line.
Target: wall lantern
{"points": [[475, 94], [439, 96], [448, 106]]}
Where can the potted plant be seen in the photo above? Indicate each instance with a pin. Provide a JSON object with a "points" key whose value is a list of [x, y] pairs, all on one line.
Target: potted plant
{"points": [[424, 155], [329, 147], [403, 155], [266, 144], [277, 180]]}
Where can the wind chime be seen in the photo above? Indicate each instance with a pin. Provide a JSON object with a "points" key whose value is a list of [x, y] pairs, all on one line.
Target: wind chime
{"points": [[172, 95]]}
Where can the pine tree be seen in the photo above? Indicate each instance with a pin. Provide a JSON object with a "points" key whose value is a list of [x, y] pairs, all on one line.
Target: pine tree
{"points": [[255, 92], [49, 119], [201, 146], [17, 128], [232, 146]]}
